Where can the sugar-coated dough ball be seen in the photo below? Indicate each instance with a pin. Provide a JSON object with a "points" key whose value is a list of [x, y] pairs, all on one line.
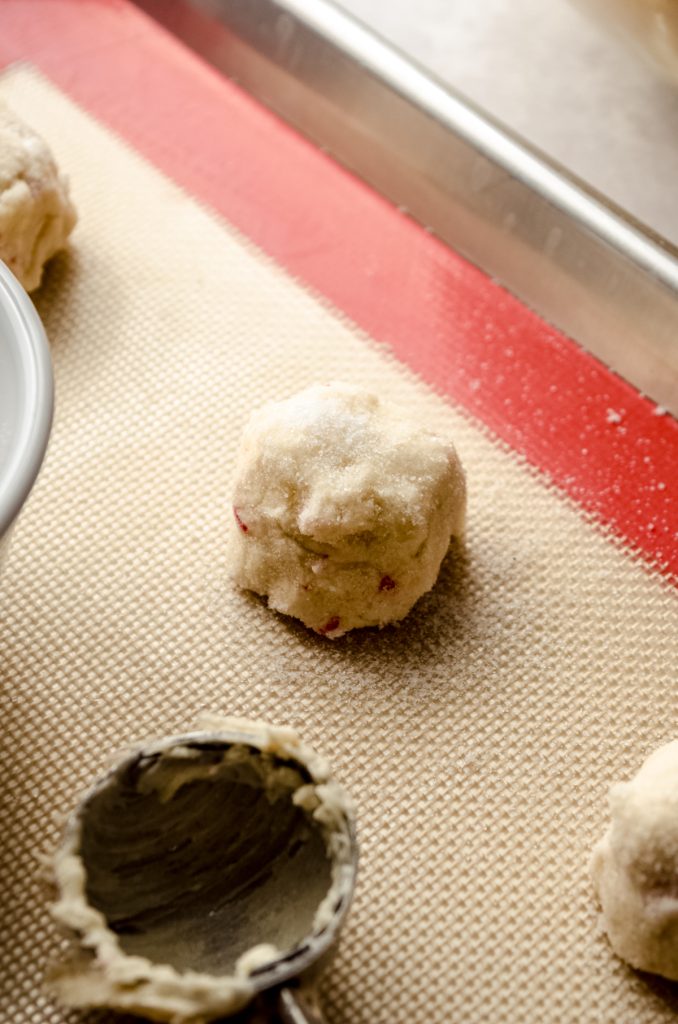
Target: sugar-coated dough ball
{"points": [[344, 508], [36, 213], [635, 866]]}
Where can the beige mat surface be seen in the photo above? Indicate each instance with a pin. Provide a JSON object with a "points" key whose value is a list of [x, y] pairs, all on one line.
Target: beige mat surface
{"points": [[478, 738]]}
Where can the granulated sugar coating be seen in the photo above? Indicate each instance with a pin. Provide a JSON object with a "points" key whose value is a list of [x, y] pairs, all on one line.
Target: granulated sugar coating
{"points": [[344, 508], [478, 737]]}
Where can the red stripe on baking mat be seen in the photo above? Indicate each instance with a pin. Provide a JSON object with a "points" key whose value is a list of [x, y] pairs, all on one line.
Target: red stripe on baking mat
{"points": [[590, 432]]}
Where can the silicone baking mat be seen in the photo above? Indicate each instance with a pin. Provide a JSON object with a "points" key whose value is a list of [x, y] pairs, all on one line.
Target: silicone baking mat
{"points": [[479, 737]]}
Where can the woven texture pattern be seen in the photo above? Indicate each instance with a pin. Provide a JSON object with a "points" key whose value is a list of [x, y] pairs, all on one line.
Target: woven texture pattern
{"points": [[478, 738]]}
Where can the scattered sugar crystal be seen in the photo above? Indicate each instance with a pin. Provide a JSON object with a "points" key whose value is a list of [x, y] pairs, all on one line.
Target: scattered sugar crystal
{"points": [[343, 508]]}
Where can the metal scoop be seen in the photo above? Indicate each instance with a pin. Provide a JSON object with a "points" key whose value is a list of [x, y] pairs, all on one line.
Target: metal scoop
{"points": [[205, 873]]}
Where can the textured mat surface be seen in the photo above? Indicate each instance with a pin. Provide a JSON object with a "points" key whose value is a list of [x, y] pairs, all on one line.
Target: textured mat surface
{"points": [[478, 738]]}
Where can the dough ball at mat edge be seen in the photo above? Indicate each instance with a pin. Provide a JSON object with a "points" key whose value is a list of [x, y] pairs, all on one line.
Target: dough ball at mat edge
{"points": [[36, 212], [344, 508], [634, 867]]}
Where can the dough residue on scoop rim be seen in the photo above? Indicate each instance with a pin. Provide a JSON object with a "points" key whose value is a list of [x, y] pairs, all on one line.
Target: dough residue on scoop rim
{"points": [[100, 973]]}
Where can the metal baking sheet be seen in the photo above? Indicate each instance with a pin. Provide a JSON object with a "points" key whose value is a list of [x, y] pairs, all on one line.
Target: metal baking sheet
{"points": [[478, 738], [583, 264]]}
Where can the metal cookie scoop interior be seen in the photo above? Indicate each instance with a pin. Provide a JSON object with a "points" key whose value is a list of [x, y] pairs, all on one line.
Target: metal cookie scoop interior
{"points": [[201, 871]]}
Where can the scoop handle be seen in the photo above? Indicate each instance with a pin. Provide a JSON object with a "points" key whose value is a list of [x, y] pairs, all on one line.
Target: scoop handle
{"points": [[298, 1006]]}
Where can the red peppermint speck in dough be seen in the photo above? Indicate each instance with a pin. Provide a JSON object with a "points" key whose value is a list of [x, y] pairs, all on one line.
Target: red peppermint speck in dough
{"points": [[243, 526], [386, 583], [330, 626]]}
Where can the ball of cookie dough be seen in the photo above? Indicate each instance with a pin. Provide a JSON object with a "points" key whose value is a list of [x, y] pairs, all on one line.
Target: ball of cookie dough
{"points": [[635, 866], [344, 508], [36, 213]]}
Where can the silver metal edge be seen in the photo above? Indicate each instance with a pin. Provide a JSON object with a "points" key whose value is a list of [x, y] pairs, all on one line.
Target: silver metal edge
{"points": [[581, 263], [32, 349], [311, 956]]}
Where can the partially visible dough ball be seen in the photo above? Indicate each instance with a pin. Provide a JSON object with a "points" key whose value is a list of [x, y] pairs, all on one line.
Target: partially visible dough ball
{"points": [[344, 508], [36, 213], [635, 866]]}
